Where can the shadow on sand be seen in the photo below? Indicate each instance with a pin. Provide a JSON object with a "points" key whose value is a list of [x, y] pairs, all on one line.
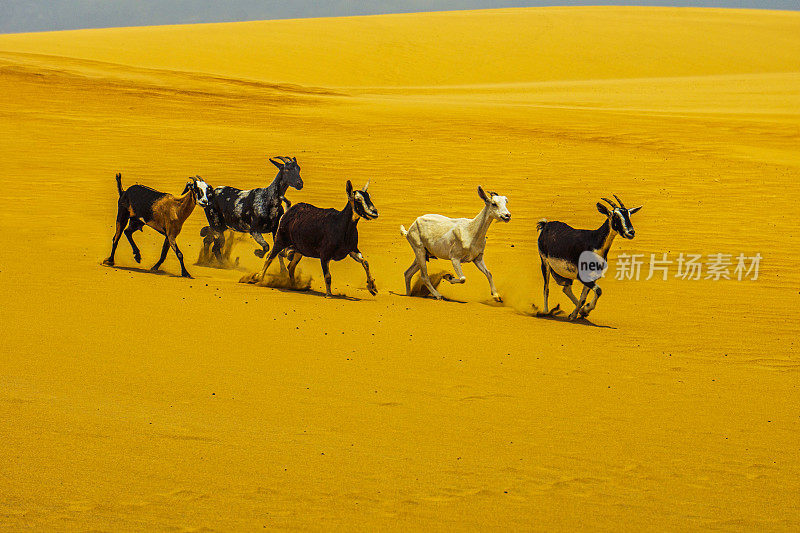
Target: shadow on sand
{"points": [[318, 294], [142, 270], [557, 315], [426, 296]]}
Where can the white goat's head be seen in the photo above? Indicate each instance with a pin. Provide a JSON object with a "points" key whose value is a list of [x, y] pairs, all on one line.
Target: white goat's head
{"points": [[496, 205]]}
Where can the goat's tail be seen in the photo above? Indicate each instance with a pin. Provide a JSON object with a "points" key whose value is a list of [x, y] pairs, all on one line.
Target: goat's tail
{"points": [[541, 224], [403, 230], [119, 183]]}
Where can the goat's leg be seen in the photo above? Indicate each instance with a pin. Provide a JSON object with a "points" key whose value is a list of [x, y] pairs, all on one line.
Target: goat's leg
{"points": [[588, 308], [371, 287], [457, 267], [135, 224], [122, 221], [574, 314], [207, 233], [482, 267], [270, 258], [164, 249], [283, 253], [546, 276], [219, 246], [423, 273], [179, 254], [327, 275], [410, 271], [567, 289], [294, 259], [260, 240]]}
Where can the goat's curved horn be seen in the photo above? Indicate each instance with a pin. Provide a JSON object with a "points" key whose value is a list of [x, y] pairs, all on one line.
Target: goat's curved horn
{"points": [[366, 186], [286, 160], [612, 204], [620, 202]]}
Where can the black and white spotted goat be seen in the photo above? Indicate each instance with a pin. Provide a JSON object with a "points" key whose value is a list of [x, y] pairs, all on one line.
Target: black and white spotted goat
{"points": [[139, 205], [254, 211], [561, 246], [327, 234]]}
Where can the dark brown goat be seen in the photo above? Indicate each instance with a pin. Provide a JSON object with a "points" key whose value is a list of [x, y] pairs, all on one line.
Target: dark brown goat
{"points": [[326, 234]]}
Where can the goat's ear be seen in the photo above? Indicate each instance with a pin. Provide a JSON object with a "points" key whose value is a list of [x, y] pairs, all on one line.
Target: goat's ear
{"points": [[632, 211], [349, 188], [276, 163], [482, 194], [603, 209]]}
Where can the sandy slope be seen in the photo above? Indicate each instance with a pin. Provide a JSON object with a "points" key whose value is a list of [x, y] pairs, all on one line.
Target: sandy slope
{"points": [[138, 401]]}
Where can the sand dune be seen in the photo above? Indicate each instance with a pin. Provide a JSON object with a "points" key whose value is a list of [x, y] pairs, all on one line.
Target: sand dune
{"points": [[145, 401]]}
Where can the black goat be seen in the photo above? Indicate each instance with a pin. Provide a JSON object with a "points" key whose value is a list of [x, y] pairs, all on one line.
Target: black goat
{"points": [[140, 205], [569, 254], [326, 234], [254, 211]]}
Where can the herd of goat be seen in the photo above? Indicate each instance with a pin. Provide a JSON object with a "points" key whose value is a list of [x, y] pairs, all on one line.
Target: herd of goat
{"points": [[303, 230]]}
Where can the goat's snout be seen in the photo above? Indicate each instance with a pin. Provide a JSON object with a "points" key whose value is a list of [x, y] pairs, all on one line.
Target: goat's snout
{"points": [[506, 217]]}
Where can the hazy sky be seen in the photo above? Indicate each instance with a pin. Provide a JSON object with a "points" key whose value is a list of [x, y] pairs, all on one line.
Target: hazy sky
{"points": [[46, 15]]}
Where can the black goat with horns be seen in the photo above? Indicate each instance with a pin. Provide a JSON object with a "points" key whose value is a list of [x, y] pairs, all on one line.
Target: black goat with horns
{"points": [[563, 249]]}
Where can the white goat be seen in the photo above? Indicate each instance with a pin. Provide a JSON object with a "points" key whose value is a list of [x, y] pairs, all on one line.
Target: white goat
{"points": [[461, 240]]}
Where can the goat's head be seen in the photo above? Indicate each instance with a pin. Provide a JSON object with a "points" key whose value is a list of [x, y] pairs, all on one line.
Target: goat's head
{"points": [[289, 171], [496, 205], [620, 217], [361, 202], [202, 191]]}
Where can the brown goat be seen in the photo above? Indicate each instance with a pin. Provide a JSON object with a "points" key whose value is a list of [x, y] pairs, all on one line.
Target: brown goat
{"points": [[165, 213]]}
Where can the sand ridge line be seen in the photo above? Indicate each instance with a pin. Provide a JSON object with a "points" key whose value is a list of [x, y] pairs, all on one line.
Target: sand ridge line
{"points": [[117, 73]]}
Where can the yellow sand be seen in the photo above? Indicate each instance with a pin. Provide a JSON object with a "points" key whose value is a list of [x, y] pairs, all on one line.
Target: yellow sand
{"points": [[133, 401]]}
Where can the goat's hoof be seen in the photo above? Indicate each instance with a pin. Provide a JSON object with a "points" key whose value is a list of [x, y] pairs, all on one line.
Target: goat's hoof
{"points": [[137, 258], [497, 298], [155, 268], [572, 316], [108, 262], [186, 275]]}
